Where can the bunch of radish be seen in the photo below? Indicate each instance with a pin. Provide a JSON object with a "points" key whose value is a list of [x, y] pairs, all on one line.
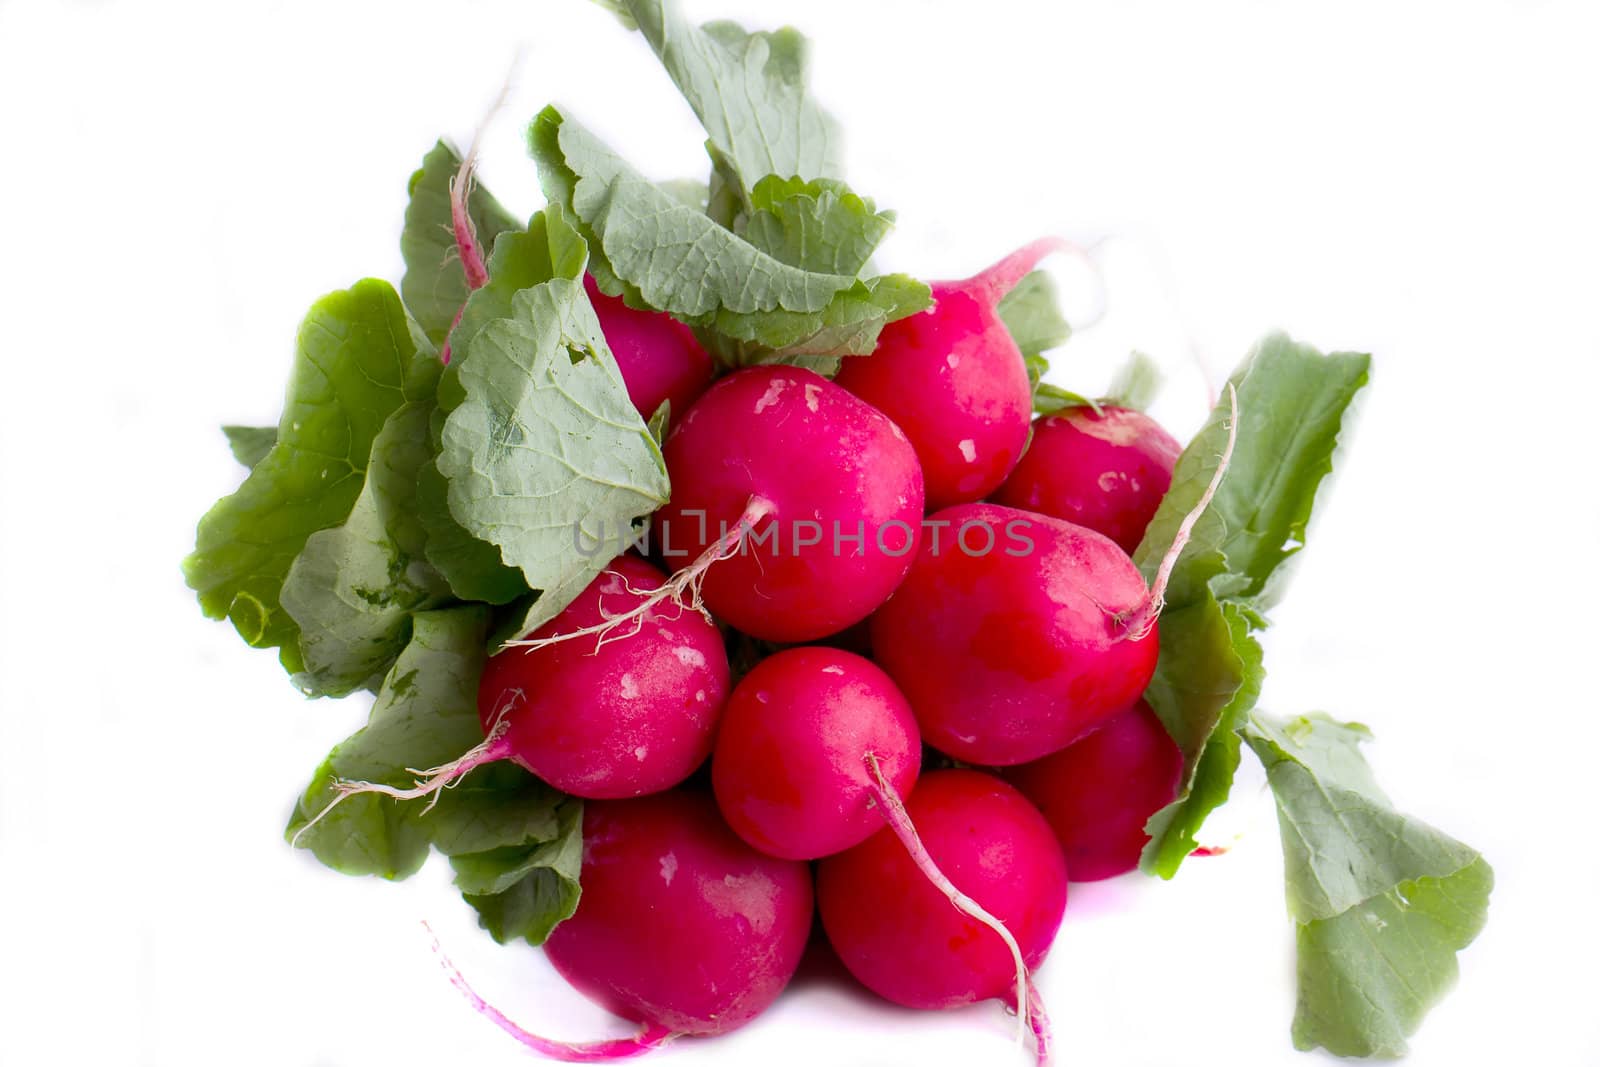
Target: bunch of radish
{"points": [[708, 586]]}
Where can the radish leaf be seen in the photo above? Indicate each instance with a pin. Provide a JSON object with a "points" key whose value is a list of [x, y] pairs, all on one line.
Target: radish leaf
{"points": [[749, 92], [1292, 402], [350, 373], [544, 443], [426, 714], [1382, 902], [250, 444]]}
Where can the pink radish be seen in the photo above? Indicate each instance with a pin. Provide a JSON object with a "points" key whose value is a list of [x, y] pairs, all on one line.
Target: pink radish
{"points": [[1021, 633], [789, 767], [1011, 654], [681, 927], [659, 357], [795, 507], [621, 716], [1098, 793], [953, 379], [1106, 470], [898, 934]]}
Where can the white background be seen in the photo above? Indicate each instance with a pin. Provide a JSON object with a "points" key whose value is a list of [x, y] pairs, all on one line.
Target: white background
{"points": [[1415, 180]]}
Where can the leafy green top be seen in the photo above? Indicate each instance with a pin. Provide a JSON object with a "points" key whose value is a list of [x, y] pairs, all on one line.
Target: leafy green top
{"points": [[1381, 902]]}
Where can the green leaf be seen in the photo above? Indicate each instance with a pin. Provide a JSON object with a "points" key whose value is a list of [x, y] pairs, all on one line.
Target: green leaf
{"points": [[749, 305], [1207, 679], [250, 444], [426, 714], [548, 247], [1050, 399], [434, 286], [849, 326], [659, 421], [1032, 315], [1382, 902], [672, 257], [818, 225], [1136, 384], [1292, 403], [749, 92], [353, 588], [473, 568], [498, 805], [349, 375], [545, 453], [525, 892]]}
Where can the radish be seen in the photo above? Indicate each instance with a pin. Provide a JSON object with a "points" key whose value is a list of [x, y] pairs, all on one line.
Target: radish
{"points": [[1018, 633], [789, 767], [955, 381], [623, 715], [681, 927], [1098, 793], [1106, 470], [1010, 654], [899, 935], [659, 357], [795, 507]]}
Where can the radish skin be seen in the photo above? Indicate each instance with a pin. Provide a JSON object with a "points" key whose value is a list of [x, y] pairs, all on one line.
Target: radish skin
{"points": [[954, 380]]}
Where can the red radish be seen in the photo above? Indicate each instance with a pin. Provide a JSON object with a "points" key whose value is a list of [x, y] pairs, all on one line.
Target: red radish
{"points": [[795, 506], [1021, 633], [1106, 470], [681, 926], [955, 381], [789, 770], [1010, 654], [659, 357], [1098, 793], [620, 716], [898, 934], [630, 713]]}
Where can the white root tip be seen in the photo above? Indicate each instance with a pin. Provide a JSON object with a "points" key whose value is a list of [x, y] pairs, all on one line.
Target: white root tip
{"points": [[899, 820], [430, 781], [683, 587]]}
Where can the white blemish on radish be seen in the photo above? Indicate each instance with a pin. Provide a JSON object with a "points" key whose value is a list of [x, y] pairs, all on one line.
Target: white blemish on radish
{"points": [[953, 360], [669, 867], [629, 688], [770, 397], [969, 449], [1109, 480], [898, 432], [834, 669], [690, 657], [761, 695], [813, 394], [751, 896], [641, 752]]}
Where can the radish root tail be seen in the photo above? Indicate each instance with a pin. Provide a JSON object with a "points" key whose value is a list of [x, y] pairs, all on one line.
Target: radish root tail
{"points": [[646, 1040], [1040, 1022], [683, 587], [1138, 623], [997, 280], [894, 813], [430, 781], [462, 228]]}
